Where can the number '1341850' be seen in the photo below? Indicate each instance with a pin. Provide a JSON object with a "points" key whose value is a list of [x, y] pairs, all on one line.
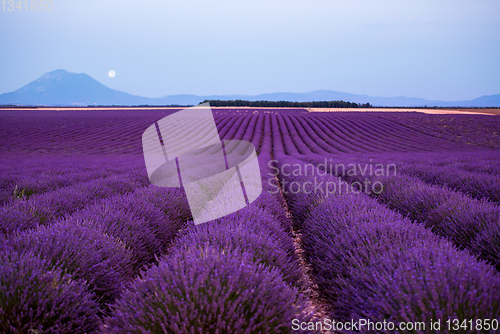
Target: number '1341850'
{"points": [[31, 5]]}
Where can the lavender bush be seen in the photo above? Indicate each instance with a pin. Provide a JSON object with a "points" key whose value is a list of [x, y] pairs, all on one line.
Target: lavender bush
{"points": [[477, 185], [132, 231], [371, 263], [449, 214], [36, 297], [80, 251], [264, 222], [171, 201], [242, 237], [45, 208], [205, 291], [146, 220]]}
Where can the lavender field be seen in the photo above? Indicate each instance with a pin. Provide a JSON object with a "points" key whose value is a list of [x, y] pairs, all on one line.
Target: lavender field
{"points": [[382, 218]]}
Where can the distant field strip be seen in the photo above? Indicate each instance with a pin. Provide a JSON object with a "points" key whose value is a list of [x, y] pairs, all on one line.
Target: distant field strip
{"points": [[115, 132]]}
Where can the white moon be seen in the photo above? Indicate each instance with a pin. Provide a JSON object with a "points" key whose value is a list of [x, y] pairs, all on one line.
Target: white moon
{"points": [[112, 73]]}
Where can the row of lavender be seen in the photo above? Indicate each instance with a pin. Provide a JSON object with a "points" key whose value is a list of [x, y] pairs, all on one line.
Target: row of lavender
{"points": [[118, 132], [467, 222], [237, 274], [372, 263], [22, 177], [98, 256], [66, 254], [476, 174], [475, 184], [43, 208], [471, 130]]}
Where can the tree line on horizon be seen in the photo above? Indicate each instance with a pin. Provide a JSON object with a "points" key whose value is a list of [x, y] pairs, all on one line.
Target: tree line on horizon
{"points": [[286, 104]]}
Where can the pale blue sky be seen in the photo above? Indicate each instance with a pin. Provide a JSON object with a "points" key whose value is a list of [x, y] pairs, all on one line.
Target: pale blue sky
{"points": [[434, 49]]}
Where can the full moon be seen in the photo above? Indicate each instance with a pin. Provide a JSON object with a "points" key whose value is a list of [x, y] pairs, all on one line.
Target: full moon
{"points": [[112, 73]]}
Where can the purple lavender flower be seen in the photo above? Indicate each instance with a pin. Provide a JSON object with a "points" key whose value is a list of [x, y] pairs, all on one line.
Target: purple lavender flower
{"points": [[36, 297], [203, 290]]}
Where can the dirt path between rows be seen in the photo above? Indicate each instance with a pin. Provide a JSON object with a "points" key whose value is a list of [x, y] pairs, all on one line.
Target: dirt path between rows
{"points": [[316, 307]]}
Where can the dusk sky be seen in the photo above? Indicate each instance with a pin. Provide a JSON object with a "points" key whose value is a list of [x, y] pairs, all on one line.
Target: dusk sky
{"points": [[433, 49]]}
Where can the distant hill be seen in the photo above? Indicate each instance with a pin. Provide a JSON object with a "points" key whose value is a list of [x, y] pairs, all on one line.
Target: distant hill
{"points": [[63, 88]]}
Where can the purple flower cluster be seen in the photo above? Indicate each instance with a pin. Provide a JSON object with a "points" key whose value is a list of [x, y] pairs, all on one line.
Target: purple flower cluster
{"points": [[37, 297], [206, 290], [23, 177], [298, 206], [145, 221], [370, 262], [220, 277], [477, 185], [484, 165], [250, 232], [80, 251], [469, 223], [450, 214], [45, 208]]}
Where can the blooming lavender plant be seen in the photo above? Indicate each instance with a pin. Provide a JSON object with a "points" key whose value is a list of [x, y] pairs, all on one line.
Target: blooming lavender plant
{"points": [[203, 290], [132, 231], [35, 297], [370, 262], [243, 237], [80, 251], [477, 185], [44, 209]]}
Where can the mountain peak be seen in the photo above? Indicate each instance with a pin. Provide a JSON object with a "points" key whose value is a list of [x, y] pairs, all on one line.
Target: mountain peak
{"points": [[54, 75], [59, 71], [61, 87]]}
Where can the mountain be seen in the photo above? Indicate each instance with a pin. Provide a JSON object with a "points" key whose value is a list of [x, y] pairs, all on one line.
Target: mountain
{"points": [[329, 95], [63, 88], [486, 100]]}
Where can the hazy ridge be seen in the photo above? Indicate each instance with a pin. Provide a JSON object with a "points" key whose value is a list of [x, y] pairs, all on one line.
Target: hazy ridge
{"points": [[63, 88]]}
